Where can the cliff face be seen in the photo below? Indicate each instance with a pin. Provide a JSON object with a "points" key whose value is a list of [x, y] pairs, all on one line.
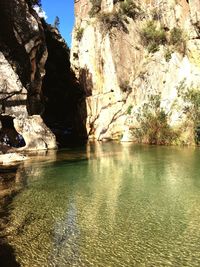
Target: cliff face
{"points": [[35, 75], [139, 62]]}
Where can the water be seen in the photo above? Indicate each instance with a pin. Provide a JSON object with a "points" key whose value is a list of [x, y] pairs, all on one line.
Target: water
{"points": [[108, 205]]}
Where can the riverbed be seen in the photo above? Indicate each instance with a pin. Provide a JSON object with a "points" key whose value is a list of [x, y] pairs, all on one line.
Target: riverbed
{"points": [[105, 205]]}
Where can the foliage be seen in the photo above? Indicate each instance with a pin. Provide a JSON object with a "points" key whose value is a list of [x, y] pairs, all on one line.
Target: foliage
{"points": [[118, 18], [178, 39], [56, 22], [176, 36], [154, 127], [129, 109], [125, 87], [96, 7], [153, 36], [168, 54], [191, 98], [113, 20], [130, 9], [156, 14], [79, 33], [34, 2]]}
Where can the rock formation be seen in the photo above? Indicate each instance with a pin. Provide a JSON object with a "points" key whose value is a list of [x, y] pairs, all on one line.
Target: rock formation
{"points": [[139, 62], [35, 75]]}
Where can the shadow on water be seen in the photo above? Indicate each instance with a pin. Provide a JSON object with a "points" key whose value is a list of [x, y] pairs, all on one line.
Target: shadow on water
{"points": [[8, 190], [13, 181]]}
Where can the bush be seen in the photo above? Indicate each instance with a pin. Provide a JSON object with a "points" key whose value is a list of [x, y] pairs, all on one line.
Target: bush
{"points": [[192, 97], [118, 18], [154, 127], [125, 87], [152, 36], [96, 7], [79, 34], [130, 9], [129, 109], [113, 20], [178, 39], [176, 36], [168, 54]]}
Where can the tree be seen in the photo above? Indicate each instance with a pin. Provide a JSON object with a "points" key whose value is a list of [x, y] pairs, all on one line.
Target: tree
{"points": [[35, 2], [57, 22]]}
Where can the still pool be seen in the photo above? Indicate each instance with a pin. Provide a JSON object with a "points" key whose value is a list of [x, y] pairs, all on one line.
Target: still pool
{"points": [[107, 205]]}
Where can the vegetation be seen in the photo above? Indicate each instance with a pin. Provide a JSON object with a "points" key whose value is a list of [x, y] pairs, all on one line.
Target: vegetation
{"points": [[125, 87], [154, 127], [96, 7], [153, 36], [56, 22], [79, 33], [191, 98], [192, 109], [130, 9], [129, 109], [178, 39], [118, 17], [112, 20], [168, 54], [34, 2]]}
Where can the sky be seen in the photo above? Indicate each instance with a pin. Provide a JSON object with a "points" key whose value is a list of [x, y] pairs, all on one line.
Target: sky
{"points": [[64, 9]]}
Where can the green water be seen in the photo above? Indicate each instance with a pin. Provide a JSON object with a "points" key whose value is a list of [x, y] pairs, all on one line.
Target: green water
{"points": [[109, 205]]}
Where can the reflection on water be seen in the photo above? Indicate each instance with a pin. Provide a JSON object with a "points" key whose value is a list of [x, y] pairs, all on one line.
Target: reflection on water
{"points": [[108, 205]]}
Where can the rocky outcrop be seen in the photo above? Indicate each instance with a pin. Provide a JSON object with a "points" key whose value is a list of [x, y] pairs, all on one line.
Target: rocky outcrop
{"points": [[35, 74], [124, 66], [36, 134]]}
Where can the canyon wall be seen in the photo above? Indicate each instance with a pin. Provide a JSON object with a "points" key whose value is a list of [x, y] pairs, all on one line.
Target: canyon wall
{"points": [[36, 77], [139, 62]]}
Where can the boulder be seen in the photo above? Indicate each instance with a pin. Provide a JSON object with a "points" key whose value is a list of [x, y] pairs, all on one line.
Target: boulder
{"points": [[36, 134]]}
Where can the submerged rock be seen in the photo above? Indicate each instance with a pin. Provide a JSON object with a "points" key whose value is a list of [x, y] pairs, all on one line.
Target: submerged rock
{"points": [[10, 158]]}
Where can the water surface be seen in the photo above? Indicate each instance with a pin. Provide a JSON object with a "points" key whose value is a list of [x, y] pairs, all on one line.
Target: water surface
{"points": [[109, 205]]}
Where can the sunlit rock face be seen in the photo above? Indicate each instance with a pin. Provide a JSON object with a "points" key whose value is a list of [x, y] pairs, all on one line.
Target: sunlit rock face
{"points": [[120, 74]]}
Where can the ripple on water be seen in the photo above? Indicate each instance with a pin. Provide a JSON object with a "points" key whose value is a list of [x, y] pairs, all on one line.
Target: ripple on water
{"points": [[137, 206]]}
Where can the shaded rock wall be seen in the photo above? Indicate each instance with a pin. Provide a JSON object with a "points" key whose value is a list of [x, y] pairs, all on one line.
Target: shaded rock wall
{"points": [[111, 60], [35, 75]]}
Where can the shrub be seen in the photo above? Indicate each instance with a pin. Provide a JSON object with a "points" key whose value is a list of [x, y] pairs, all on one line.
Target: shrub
{"points": [[130, 9], [177, 38], [168, 54], [192, 97], [113, 20], [125, 87], [96, 7], [154, 127], [79, 34], [156, 14], [129, 109], [153, 36]]}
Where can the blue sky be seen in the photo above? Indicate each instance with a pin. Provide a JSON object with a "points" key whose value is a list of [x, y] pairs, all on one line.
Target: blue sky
{"points": [[64, 9]]}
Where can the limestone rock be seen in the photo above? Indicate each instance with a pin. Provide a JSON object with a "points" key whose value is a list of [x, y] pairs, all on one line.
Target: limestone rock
{"points": [[120, 75], [10, 158], [36, 134], [35, 72]]}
